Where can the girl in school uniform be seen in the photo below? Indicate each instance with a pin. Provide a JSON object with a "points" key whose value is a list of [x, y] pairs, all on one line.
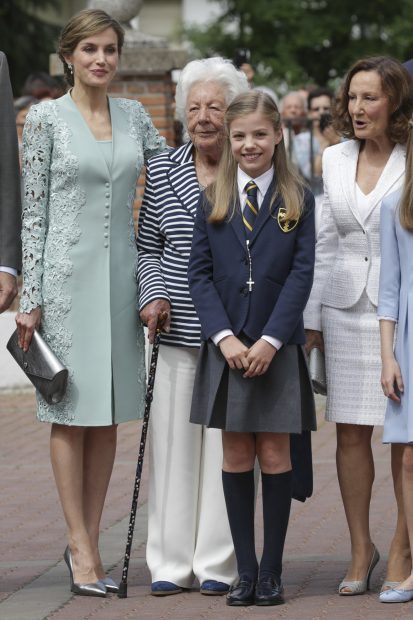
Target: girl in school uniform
{"points": [[250, 275], [395, 306]]}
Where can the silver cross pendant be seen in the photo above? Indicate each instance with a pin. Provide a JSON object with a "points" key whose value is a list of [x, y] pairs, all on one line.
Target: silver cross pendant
{"points": [[250, 281]]}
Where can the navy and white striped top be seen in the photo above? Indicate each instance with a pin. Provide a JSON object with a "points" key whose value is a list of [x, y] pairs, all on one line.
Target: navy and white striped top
{"points": [[165, 230]]}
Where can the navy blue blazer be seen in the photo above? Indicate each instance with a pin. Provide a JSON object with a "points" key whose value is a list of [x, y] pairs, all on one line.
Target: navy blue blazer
{"points": [[282, 271]]}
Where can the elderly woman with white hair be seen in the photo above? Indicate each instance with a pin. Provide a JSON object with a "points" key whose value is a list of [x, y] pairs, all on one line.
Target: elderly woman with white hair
{"points": [[188, 531]]}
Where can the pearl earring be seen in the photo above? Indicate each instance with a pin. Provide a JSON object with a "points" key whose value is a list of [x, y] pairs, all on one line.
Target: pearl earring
{"points": [[70, 68]]}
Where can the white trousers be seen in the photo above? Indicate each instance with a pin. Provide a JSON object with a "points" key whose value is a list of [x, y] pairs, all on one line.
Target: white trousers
{"points": [[188, 530]]}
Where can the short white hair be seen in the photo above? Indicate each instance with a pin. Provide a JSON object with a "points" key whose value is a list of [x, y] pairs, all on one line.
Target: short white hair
{"points": [[214, 69]]}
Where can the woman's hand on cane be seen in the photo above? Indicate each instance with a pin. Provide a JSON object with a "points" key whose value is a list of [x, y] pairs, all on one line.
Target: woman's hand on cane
{"points": [[156, 312]]}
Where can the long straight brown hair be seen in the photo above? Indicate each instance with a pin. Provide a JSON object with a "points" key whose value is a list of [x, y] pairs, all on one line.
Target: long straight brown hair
{"points": [[223, 194], [406, 205]]}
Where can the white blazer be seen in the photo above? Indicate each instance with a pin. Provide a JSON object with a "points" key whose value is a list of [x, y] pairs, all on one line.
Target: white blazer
{"points": [[348, 248]]}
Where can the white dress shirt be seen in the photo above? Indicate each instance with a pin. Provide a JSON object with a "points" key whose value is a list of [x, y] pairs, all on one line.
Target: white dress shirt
{"points": [[262, 182], [363, 202], [9, 270]]}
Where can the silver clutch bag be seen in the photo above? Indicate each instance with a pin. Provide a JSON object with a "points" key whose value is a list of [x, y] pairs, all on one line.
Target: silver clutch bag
{"points": [[41, 367], [317, 368]]}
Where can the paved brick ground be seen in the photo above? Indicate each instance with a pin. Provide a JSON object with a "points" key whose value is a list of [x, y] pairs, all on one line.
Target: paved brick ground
{"points": [[33, 579]]}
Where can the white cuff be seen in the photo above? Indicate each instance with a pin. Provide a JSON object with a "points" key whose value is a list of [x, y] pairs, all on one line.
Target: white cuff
{"points": [[216, 338], [277, 344], [10, 270], [387, 318]]}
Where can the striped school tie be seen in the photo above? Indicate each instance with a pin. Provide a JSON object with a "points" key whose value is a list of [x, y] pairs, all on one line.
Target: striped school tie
{"points": [[250, 212]]}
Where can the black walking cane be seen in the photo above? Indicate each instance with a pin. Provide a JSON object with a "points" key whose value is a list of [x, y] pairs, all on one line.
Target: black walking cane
{"points": [[123, 586]]}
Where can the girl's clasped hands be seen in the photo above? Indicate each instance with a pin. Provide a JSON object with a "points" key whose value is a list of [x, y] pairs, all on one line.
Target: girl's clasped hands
{"points": [[254, 360]]}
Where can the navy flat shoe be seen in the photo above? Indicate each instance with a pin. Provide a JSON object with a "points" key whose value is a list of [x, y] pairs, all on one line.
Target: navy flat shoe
{"points": [[165, 588], [269, 592], [242, 593], [212, 587]]}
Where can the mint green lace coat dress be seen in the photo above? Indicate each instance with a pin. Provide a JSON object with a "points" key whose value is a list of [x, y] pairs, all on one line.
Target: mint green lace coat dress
{"points": [[80, 255]]}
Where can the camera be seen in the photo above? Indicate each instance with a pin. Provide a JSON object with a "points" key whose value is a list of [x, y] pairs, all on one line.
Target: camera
{"points": [[325, 121], [242, 56]]}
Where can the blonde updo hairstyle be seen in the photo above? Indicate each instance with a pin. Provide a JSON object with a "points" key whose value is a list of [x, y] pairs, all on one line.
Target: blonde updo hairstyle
{"points": [[86, 23]]}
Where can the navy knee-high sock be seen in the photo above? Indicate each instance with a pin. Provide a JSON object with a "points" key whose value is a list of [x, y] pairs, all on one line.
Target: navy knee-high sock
{"points": [[276, 502], [239, 495]]}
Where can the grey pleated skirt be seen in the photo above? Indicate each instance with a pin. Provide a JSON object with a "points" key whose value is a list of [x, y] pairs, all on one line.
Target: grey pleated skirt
{"points": [[280, 401]]}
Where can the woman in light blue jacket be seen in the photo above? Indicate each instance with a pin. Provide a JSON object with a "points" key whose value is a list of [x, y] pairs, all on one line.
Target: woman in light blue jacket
{"points": [[396, 306]]}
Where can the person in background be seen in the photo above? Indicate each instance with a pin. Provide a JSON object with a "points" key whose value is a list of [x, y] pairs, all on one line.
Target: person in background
{"points": [[10, 205], [373, 112], [294, 117], [42, 86], [249, 72], [188, 531], [309, 145], [250, 275], [268, 91], [22, 106], [319, 102], [242, 61], [82, 156]]}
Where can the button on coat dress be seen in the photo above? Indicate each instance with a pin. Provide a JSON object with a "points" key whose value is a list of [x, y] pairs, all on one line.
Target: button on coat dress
{"points": [[79, 255]]}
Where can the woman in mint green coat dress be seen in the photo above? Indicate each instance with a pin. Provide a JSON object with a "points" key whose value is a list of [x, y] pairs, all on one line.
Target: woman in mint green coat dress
{"points": [[82, 156]]}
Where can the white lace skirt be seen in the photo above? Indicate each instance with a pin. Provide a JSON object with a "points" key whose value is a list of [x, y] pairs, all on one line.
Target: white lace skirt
{"points": [[353, 364]]}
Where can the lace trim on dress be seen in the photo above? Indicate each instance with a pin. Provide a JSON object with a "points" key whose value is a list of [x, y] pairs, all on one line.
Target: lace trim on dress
{"points": [[53, 199], [135, 132]]}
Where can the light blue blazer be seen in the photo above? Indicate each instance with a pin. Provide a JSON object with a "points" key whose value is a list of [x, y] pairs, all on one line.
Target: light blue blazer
{"points": [[396, 302]]}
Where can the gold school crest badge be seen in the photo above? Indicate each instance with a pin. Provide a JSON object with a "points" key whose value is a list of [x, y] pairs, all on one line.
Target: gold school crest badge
{"points": [[285, 225]]}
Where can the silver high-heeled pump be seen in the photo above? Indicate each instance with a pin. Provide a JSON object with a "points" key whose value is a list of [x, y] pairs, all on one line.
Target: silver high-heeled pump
{"points": [[110, 585], [82, 589], [360, 587]]}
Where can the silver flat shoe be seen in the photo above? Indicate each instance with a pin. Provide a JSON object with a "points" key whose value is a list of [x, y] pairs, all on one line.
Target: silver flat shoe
{"points": [[396, 596], [360, 587], [110, 585], [82, 589]]}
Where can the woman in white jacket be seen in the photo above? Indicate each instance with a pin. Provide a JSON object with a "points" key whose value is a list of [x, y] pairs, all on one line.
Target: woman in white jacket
{"points": [[373, 110]]}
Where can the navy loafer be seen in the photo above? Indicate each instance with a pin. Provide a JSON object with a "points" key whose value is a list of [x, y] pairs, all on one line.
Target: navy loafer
{"points": [[269, 592], [165, 588], [242, 593], [212, 587]]}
